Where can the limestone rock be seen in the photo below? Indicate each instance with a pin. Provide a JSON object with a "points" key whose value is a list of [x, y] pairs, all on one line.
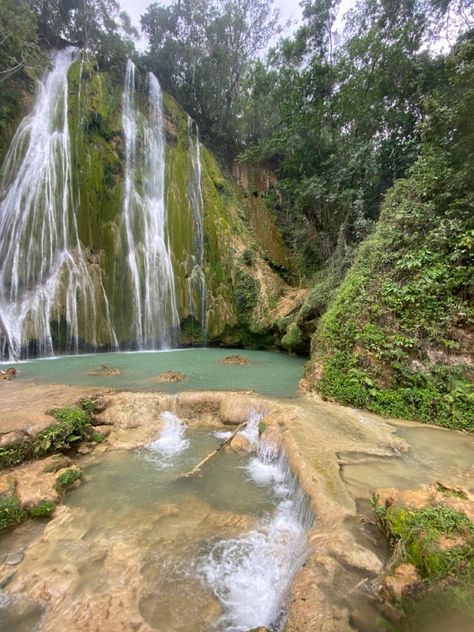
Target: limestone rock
{"points": [[404, 582], [9, 374], [235, 410], [171, 376], [10, 438], [236, 359], [358, 557], [104, 370], [240, 443]]}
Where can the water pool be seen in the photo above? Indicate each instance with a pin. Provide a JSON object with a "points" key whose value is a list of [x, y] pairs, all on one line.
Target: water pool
{"points": [[269, 373]]}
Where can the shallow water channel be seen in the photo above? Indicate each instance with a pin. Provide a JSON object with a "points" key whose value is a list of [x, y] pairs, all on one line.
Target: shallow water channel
{"points": [[216, 552]]}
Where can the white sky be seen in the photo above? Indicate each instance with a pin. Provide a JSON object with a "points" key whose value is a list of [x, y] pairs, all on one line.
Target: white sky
{"points": [[290, 10]]}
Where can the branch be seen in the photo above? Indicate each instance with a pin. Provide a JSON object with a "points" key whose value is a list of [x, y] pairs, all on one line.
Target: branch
{"points": [[197, 469]]}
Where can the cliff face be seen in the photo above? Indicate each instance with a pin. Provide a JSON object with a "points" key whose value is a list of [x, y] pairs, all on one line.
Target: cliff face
{"points": [[235, 302], [398, 337]]}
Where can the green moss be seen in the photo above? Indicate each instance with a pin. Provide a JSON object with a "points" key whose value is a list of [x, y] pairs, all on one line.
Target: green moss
{"points": [[68, 478], [420, 531], [448, 573], [408, 292], [72, 426], [11, 512], [246, 292], [292, 339], [42, 510], [97, 437]]}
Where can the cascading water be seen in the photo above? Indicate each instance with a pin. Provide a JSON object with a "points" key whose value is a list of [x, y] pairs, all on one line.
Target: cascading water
{"points": [[196, 278], [151, 280], [251, 574], [57, 293], [172, 441], [48, 294]]}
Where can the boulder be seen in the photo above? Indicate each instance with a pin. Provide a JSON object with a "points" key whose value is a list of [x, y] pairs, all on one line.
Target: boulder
{"points": [[171, 376], [236, 359]]}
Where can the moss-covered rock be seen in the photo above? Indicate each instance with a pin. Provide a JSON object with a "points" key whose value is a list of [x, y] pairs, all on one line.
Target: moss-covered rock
{"points": [[11, 512], [430, 576]]}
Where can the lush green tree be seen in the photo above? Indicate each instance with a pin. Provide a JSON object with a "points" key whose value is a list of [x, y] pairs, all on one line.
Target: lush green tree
{"points": [[98, 26], [19, 56], [343, 113], [201, 50]]}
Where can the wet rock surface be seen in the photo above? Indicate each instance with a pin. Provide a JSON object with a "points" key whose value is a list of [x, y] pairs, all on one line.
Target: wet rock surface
{"points": [[105, 370], [319, 439], [237, 360], [171, 376], [9, 374]]}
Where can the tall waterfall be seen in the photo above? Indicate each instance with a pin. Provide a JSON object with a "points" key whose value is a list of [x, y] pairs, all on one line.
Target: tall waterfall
{"points": [[151, 279], [197, 279], [44, 276]]}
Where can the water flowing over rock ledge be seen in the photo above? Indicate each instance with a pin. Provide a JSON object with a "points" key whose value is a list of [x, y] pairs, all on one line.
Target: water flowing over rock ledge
{"points": [[324, 444]]}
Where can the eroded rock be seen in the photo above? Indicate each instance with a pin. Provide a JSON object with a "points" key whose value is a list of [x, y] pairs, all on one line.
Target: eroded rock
{"points": [[236, 359], [240, 443], [405, 581], [9, 374], [105, 370], [171, 376]]}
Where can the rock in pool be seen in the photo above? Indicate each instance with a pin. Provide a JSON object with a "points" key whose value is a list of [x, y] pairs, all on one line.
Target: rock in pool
{"points": [[236, 359], [171, 376]]}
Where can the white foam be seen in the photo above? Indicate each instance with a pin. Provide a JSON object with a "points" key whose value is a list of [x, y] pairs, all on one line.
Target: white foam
{"points": [[251, 429], [251, 574], [222, 434], [172, 439]]}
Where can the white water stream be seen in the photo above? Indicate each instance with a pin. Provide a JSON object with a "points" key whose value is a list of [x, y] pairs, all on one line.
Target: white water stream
{"points": [[251, 574], [44, 276], [172, 441], [151, 280], [197, 279]]}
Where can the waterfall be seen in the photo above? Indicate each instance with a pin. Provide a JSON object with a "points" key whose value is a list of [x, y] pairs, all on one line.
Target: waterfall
{"points": [[251, 574], [48, 294], [151, 288], [196, 279]]}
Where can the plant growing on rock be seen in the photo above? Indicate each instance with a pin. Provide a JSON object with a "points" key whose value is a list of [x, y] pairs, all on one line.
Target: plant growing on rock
{"points": [[68, 478], [42, 510], [11, 512]]}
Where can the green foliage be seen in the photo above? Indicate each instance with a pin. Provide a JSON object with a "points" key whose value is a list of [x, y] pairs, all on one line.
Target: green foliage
{"points": [[247, 257], [292, 340], [410, 290], [11, 513], [99, 26], [201, 51], [20, 60], [448, 573], [68, 478], [42, 510], [98, 437], [420, 531], [246, 292], [73, 424]]}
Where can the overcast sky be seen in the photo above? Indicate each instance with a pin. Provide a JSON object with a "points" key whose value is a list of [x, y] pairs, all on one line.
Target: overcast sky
{"points": [[290, 9]]}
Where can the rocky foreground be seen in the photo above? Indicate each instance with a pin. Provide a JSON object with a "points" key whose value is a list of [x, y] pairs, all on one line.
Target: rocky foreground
{"points": [[352, 575]]}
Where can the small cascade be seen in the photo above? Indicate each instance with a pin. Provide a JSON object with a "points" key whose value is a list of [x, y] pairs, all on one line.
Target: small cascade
{"points": [[151, 284], [251, 575], [172, 441], [196, 279], [49, 296]]}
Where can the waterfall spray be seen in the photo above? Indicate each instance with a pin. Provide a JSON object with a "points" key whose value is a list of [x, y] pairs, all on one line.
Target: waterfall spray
{"points": [[48, 294], [196, 279], [151, 280]]}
